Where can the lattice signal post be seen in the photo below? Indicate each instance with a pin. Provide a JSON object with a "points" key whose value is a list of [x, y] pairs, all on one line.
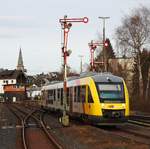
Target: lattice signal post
{"points": [[66, 24], [93, 46]]}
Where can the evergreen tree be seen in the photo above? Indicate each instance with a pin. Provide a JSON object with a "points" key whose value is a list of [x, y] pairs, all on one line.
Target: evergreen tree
{"points": [[109, 52], [106, 53]]}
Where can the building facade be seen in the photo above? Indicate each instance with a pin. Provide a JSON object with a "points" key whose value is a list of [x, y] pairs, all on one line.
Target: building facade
{"points": [[13, 82], [12, 85]]}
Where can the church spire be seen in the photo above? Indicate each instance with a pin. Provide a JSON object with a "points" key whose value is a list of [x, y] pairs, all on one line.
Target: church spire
{"points": [[20, 65]]}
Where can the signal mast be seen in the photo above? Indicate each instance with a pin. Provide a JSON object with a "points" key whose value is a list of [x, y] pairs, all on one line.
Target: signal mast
{"points": [[66, 24]]}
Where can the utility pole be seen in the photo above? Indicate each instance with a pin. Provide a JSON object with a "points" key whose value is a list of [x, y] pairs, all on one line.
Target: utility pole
{"points": [[104, 56], [66, 24], [81, 56]]}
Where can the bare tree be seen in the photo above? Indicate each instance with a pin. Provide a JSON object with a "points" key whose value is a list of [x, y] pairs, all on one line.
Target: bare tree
{"points": [[148, 85], [134, 34]]}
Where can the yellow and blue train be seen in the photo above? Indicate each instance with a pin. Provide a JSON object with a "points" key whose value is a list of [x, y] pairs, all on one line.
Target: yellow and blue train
{"points": [[98, 97]]}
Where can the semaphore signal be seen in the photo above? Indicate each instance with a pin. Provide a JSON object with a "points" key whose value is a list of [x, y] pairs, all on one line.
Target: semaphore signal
{"points": [[66, 24]]}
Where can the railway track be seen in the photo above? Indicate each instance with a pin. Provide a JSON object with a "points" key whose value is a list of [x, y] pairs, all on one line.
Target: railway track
{"points": [[130, 132], [140, 120], [134, 134], [29, 119]]}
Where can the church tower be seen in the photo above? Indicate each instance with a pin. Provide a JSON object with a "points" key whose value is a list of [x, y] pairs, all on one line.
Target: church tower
{"points": [[20, 65]]}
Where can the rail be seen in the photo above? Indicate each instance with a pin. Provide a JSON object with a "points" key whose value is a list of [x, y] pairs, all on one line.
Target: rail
{"points": [[43, 127]]}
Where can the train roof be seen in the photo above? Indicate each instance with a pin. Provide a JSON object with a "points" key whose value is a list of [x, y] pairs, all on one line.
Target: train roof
{"points": [[107, 78], [97, 77]]}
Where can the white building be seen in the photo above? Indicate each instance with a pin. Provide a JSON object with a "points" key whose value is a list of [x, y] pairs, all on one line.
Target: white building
{"points": [[6, 82], [34, 92]]}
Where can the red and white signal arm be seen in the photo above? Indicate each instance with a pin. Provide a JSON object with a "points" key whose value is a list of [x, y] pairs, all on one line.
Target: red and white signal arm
{"points": [[85, 20]]}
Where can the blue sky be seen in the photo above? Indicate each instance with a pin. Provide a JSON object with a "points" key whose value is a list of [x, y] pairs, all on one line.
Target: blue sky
{"points": [[34, 26]]}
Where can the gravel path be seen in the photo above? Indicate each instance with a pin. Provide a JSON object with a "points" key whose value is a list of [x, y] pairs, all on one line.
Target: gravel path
{"points": [[79, 136]]}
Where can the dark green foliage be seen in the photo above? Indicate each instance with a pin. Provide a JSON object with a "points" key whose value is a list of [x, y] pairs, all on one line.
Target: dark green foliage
{"points": [[108, 53]]}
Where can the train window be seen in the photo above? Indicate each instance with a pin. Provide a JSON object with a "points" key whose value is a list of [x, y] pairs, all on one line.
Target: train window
{"points": [[50, 97], [54, 92], [70, 94], [75, 94], [49, 94], [90, 99], [111, 92], [78, 94], [83, 93], [58, 94], [61, 96]]}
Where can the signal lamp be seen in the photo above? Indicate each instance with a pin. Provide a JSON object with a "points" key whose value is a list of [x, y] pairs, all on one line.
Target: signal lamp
{"points": [[69, 25], [106, 44], [92, 50], [66, 30], [85, 20]]}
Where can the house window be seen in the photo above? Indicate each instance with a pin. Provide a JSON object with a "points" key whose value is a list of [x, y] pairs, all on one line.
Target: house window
{"points": [[12, 81], [4, 81]]}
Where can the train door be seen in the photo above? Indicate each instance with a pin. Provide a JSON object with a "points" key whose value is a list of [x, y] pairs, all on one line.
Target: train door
{"points": [[75, 103], [86, 100], [71, 99], [83, 98], [54, 98], [89, 100], [44, 97], [58, 93], [68, 98], [79, 101]]}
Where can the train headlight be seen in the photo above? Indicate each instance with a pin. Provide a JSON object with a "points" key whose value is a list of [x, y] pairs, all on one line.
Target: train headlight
{"points": [[103, 105], [123, 105]]}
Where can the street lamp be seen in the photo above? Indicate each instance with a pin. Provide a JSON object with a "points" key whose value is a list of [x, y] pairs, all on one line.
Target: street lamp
{"points": [[81, 56], [104, 18], [66, 24]]}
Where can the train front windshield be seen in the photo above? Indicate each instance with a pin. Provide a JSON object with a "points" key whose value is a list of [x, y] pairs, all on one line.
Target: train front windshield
{"points": [[111, 93]]}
